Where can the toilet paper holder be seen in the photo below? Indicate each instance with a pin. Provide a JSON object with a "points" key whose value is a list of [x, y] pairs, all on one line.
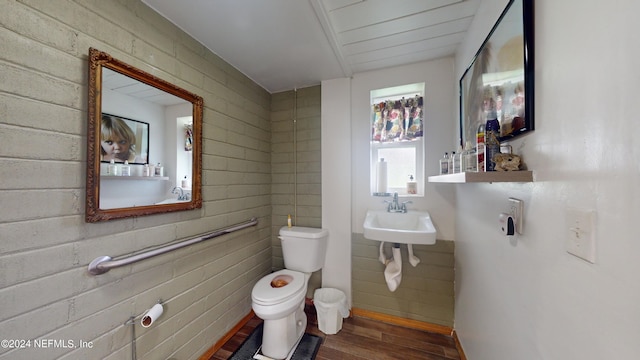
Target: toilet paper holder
{"points": [[151, 315]]}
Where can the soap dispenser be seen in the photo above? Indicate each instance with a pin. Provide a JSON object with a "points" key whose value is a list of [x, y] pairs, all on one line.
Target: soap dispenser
{"points": [[412, 186], [186, 184]]}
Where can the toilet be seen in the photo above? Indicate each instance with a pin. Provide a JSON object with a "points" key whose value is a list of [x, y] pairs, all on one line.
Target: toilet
{"points": [[279, 297]]}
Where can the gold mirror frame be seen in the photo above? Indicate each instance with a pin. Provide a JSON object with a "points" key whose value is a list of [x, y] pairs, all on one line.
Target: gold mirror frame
{"points": [[98, 60]]}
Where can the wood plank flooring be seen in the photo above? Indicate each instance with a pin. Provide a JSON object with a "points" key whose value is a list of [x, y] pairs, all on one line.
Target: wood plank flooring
{"points": [[362, 339]]}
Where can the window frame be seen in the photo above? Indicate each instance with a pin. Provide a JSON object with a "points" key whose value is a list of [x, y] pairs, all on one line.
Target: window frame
{"points": [[396, 93], [418, 177]]}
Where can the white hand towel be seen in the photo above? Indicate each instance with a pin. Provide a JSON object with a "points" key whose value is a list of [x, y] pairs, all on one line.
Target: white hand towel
{"points": [[383, 256], [413, 260], [393, 271]]}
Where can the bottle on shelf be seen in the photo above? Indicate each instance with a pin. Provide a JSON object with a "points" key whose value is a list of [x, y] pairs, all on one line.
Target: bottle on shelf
{"points": [[125, 170], [159, 170], [112, 169], [480, 148], [469, 158], [492, 142], [444, 164], [457, 160]]}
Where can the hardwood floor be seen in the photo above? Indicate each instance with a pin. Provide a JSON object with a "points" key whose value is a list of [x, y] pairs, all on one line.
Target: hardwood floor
{"points": [[362, 339]]}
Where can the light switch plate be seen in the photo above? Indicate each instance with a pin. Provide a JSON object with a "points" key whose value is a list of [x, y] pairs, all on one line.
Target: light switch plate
{"points": [[581, 234]]}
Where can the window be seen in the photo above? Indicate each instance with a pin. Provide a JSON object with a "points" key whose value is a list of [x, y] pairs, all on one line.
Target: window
{"points": [[397, 121]]}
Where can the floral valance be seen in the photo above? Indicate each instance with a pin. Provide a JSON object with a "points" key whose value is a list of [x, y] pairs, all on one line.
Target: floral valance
{"points": [[397, 120]]}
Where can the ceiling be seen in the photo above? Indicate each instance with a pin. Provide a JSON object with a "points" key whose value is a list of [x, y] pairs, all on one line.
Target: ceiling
{"points": [[288, 44], [123, 84]]}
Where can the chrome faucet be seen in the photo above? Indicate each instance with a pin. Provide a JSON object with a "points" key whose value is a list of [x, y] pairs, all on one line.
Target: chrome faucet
{"points": [[395, 206], [180, 191]]}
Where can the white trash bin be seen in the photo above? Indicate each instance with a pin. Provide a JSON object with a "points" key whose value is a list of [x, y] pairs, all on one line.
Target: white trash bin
{"points": [[331, 306]]}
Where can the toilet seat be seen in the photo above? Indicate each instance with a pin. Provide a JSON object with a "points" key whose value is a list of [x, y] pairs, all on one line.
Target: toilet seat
{"points": [[264, 293]]}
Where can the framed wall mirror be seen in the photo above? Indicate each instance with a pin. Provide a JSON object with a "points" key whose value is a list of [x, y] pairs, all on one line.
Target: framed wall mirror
{"points": [[500, 77], [144, 143]]}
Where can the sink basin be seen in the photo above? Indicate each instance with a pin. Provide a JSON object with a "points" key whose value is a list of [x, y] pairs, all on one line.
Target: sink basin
{"points": [[412, 227], [171, 201]]}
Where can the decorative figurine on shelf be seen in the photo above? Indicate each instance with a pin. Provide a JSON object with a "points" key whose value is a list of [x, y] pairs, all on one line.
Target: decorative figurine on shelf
{"points": [[506, 162]]}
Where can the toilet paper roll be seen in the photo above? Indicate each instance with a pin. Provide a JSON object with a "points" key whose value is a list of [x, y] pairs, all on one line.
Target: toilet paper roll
{"points": [[381, 176], [151, 315]]}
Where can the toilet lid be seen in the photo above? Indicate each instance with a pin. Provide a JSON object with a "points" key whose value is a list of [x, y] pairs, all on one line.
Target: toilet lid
{"points": [[286, 284]]}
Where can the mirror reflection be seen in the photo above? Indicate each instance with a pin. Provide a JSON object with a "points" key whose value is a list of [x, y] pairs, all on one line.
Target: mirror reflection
{"points": [[153, 171], [499, 83], [141, 143], [123, 140]]}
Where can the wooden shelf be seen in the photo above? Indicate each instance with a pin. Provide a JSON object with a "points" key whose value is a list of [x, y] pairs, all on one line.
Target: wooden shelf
{"points": [[484, 177]]}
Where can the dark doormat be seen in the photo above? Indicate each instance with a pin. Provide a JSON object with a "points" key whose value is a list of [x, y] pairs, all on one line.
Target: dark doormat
{"points": [[306, 350]]}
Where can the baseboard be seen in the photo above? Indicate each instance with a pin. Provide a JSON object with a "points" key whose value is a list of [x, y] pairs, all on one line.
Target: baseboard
{"points": [[459, 346], [413, 324], [212, 350]]}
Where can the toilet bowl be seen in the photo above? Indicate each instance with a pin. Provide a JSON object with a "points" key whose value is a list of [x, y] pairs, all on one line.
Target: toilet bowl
{"points": [[282, 309], [271, 302], [279, 298]]}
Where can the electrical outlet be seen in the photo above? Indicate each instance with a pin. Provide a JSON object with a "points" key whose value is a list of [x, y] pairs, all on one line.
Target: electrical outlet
{"points": [[581, 234], [516, 209]]}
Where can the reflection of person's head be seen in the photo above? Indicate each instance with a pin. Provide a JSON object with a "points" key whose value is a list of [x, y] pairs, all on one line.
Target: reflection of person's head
{"points": [[117, 139]]}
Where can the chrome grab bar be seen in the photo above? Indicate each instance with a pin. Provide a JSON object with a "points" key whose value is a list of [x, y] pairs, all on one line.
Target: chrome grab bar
{"points": [[102, 264]]}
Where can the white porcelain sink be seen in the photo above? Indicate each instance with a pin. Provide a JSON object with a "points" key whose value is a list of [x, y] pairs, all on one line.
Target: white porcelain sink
{"points": [[171, 201], [412, 227]]}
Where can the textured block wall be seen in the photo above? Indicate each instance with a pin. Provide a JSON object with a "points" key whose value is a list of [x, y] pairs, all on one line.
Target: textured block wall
{"points": [[426, 292], [45, 245], [296, 189], [286, 175]]}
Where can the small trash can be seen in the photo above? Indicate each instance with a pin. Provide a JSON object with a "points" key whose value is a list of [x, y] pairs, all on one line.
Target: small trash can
{"points": [[331, 306]]}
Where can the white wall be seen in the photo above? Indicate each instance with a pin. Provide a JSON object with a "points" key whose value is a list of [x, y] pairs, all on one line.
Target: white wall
{"points": [[439, 127], [336, 183], [178, 163], [345, 156], [526, 298]]}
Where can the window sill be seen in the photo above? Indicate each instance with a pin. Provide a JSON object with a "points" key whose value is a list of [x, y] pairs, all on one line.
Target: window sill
{"points": [[403, 194]]}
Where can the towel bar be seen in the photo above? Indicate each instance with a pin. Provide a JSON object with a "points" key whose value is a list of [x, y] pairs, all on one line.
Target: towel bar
{"points": [[102, 264]]}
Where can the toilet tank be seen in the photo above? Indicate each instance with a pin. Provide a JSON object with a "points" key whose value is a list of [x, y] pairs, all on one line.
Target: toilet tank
{"points": [[303, 248]]}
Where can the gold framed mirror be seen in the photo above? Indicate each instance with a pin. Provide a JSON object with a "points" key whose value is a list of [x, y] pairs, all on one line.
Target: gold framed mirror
{"points": [[144, 143]]}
